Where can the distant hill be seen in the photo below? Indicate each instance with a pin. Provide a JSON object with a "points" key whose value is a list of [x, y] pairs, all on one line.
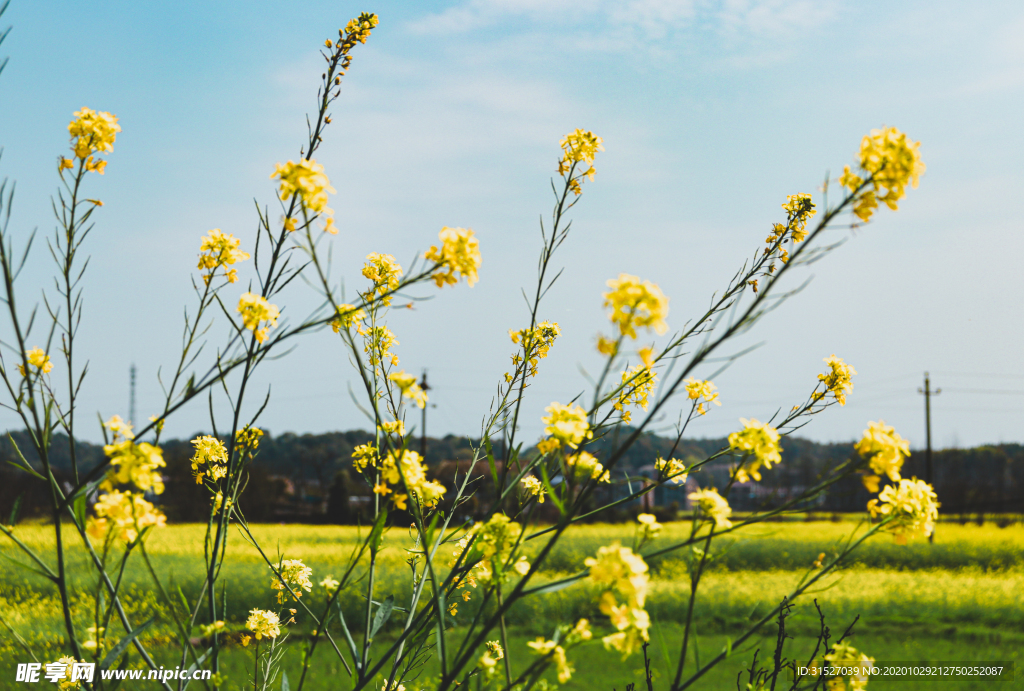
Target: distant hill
{"points": [[309, 476]]}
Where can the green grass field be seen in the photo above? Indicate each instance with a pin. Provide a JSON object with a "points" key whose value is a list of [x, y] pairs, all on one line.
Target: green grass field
{"points": [[959, 599]]}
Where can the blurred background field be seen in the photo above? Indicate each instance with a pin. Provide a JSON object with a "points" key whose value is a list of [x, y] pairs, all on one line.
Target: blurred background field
{"points": [[957, 599]]}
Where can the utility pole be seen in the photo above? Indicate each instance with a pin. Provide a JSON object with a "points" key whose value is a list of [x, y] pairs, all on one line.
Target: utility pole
{"points": [[928, 393], [423, 426], [131, 394]]}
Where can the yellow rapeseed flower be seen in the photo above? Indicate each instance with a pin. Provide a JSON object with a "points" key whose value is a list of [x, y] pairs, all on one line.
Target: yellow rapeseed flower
{"points": [[838, 379], [137, 464], [93, 132], [307, 181], [618, 570], [210, 458], [219, 250], [459, 252], [410, 389], [557, 654], [533, 487], [536, 342], [800, 209], [580, 146], [263, 623], [347, 316], [583, 466], [385, 273], [891, 161], [759, 442], [636, 303], [884, 448], [37, 358], [125, 514], [914, 505], [641, 382], [649, 526], [713, 505], [296, 575], [673, 470], [697, 390], [254, 310], [565, 425]]}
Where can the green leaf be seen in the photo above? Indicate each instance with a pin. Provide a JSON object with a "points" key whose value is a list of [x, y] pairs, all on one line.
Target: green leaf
{"points": [[377, 534], [123, 665], [123, 644], [285, 686], [79, 507], [383, 614], [14, 511]]}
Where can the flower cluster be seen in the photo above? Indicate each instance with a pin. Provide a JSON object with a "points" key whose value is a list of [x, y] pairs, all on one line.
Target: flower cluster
{"points": [[636, 304], [137, 464], [580, 146], [377, 344], [211, 453], [846, 657], [891, 162], [357, 31], [92, 132], [217, 250], [637, 384], [399, 466], [536, 344], [713, 505], [409, 388], [37, 358], [347, 316], [263, 623], [648, 527], [62, 671], [460, 252], [913, 506], [758, 441], [489, 660], [617, 570], [549, 648], [799, 209], [385, 273], [295, 574], [565, 425], [330, 584], [254, 310], [306, 181], [838, 379], [125, 514], [673, 469], [697, 390], [248, 438], [533, 487], [583, 466], [497, 541], [885, 449]]}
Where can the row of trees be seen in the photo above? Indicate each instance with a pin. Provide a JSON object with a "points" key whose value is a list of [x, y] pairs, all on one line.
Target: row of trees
{"points": [[308, 478]]}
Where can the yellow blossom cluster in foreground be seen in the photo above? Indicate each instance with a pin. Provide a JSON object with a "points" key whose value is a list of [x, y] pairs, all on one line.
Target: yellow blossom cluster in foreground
{"points": [[696, 390], [913, 506], [636, 304], [91, 132], [583, 466], [218, 250], [210, 458], [891, 162], [837, 379], [37, 358], [403, 466], [459, 253], [255, 310], [673, 470], [758, 442], [885, 450], [307, 182], [713, 505], [263, 623], [637, 384], [580, 146], [621, 572], [125, 514], [565, 425], [296, 575]]}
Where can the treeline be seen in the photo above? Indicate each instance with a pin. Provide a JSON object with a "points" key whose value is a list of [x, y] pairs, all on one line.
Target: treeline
{"points": [[310, 478]]}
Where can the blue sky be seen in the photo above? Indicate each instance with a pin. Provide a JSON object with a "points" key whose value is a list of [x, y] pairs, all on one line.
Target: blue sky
{"points": [[711, 113]]}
